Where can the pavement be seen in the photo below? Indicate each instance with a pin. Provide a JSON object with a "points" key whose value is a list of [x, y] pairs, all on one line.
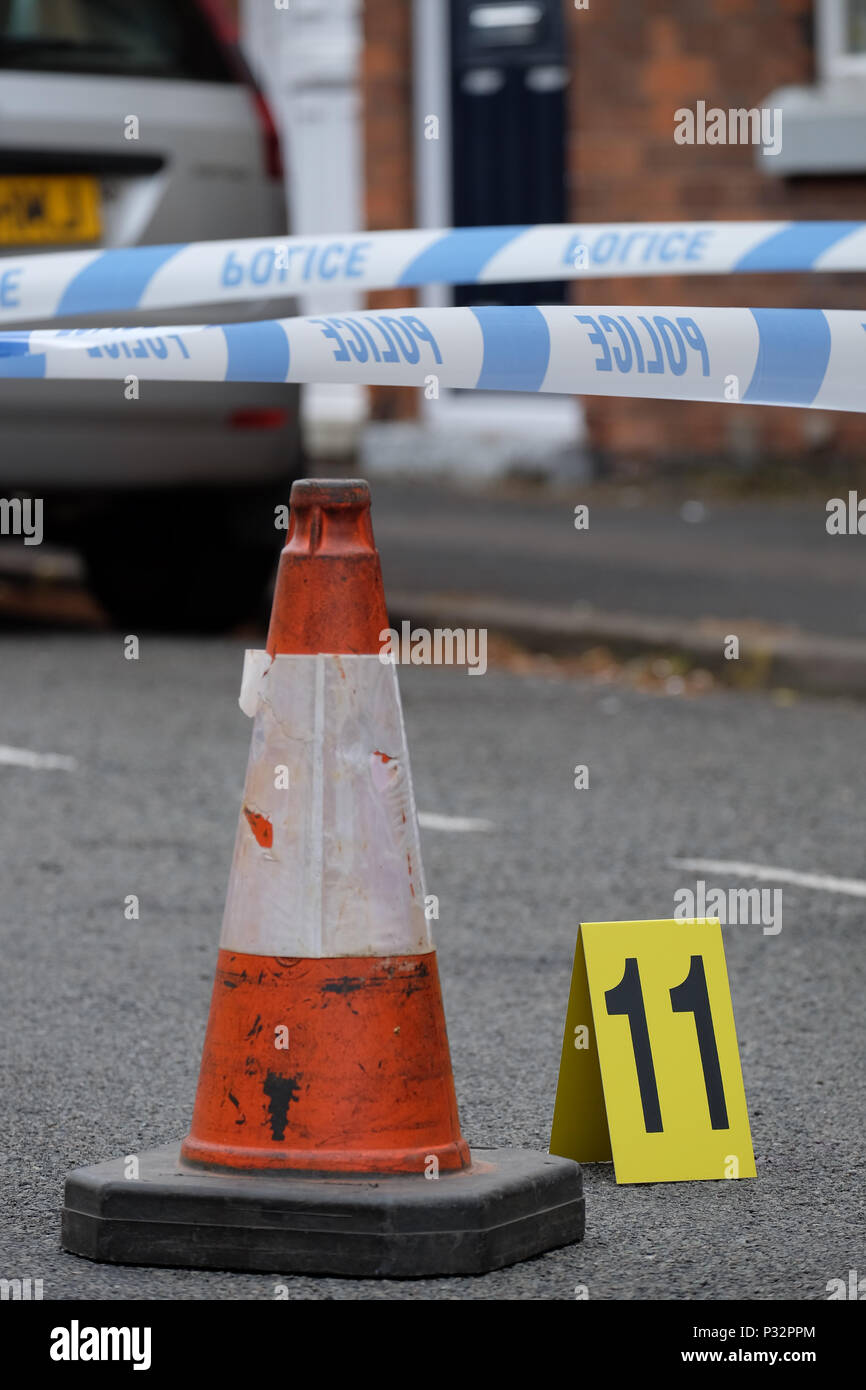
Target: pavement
{"points": [[102, 1019]]}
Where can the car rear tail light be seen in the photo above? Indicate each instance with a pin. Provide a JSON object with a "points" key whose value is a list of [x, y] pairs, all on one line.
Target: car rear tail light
{"points": [[259, 419], [222, 19], [270, 137], [224, 25]]}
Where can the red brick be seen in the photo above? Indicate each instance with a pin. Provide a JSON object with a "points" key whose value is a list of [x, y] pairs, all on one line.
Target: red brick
{"points": [[631, 70]]}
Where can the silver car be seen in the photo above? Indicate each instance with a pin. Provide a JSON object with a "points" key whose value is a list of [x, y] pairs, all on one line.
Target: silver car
{"points": [[123, 124]]}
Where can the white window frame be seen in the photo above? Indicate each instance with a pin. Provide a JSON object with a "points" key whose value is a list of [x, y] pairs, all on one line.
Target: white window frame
{"points": [[835, 61]]}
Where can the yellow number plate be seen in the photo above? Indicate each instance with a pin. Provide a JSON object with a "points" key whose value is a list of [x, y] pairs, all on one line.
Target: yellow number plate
{"points": [[49, 209]]}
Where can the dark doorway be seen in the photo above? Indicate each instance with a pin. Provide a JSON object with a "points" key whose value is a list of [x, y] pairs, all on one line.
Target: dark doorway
{"points": [[508, 85]]}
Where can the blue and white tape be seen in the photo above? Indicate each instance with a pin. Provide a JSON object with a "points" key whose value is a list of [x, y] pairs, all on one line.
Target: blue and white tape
{"points": [[801, 357], [66, 284]]}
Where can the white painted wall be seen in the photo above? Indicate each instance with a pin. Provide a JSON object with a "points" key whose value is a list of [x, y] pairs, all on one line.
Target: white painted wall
{"points": [[307, 58]]}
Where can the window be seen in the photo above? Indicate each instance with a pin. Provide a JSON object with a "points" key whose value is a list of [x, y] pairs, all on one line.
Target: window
{"points": [[825, 122], [133, 38], [501, 26], [857, 26], [842, 34]]}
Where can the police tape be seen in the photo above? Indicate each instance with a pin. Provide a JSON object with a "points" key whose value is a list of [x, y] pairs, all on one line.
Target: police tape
{"points": [[801, 357], [69, 283]]}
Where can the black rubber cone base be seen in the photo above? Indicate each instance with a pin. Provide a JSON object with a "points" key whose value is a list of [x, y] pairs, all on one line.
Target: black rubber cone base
{"points": [[510, 1205]]}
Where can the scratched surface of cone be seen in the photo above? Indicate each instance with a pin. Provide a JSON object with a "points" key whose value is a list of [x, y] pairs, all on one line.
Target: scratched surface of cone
{"points": [[326, 1047]]}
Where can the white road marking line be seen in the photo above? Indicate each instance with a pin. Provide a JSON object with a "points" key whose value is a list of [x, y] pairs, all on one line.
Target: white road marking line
{"points": [[431, 820], [41, 762], [856, 887]]}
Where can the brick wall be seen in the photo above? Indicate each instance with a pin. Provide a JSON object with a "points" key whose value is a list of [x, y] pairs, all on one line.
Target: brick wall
{"points": [[623, 164], [634, 62], [386, 84]]}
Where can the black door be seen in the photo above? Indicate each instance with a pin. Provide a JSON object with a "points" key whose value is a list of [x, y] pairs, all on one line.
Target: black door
{"points": [[509, 78]]}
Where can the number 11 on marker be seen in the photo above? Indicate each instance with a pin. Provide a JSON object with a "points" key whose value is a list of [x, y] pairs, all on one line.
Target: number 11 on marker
{"points": [[626, 999], [656, 1084]]}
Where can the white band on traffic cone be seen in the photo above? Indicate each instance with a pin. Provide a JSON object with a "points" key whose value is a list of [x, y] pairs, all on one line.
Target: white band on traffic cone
{"points": [[327, 860]]}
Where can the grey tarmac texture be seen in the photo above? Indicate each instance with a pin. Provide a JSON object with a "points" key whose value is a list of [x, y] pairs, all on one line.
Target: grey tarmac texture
{"points": [[770, 561], [102, 1019]]}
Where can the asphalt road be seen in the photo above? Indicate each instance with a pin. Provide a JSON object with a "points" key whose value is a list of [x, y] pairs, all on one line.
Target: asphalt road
{"points": [[644, 554], [102, 1019], [647, 552]]}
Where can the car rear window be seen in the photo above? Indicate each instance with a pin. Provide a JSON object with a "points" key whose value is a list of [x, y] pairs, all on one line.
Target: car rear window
{"points": [[142, 38]]}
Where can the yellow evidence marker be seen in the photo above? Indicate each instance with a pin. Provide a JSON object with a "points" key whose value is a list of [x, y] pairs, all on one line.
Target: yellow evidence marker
{"points": [[650, 1071]]}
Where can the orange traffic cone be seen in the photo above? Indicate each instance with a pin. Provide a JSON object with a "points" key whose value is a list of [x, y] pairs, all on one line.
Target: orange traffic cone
{"points": [[325, 1111], [325, 945]]}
